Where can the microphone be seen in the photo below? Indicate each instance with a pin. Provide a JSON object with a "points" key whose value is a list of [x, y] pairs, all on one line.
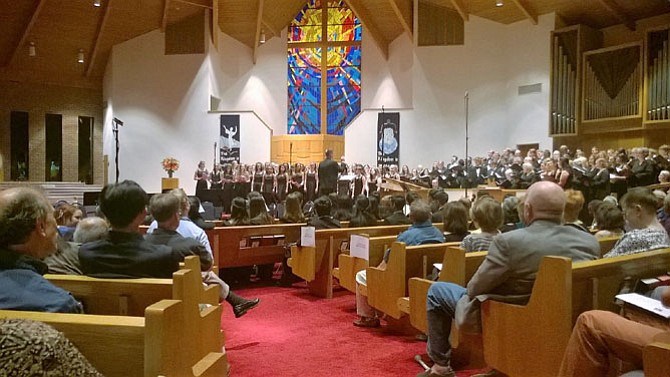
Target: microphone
{"points": [[118, 121], [417, 358]]}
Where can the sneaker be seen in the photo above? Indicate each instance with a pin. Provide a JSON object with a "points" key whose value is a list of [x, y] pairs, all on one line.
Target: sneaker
{"points": [[367, 322], [438, 371]]}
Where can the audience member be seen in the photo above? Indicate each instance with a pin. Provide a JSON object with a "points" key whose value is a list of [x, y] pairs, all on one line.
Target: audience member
{"points": [[165, 209], [487, 215], [323, 218], [455, 224], [186, 227], [574, 201], [598, 335], [195, 216], [666, 209], [124, 252], [610, 221], [421, 231], [344, 209], [238, 214], [362, 216], [645, 232], [438, 200], [31, 348], [28, 234], [397, 217], [258, 211], [508, 272], [293, 209], [67, 217], [510, 214]]}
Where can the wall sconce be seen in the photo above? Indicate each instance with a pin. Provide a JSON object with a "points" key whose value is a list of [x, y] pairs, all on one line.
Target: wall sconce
{"points": [[80, 56], [261, 40], [31, 49], [499, 3]]}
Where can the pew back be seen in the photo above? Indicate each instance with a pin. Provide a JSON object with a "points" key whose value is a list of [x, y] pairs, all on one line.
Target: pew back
{"points": [[174, 339], [315, 264], [127, 297], [348, 266], [562, 291], [385, 287], [607, 243]]}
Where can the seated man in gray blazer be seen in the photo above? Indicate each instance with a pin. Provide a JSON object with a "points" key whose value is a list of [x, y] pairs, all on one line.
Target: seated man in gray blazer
{"points": [[508, 272]]}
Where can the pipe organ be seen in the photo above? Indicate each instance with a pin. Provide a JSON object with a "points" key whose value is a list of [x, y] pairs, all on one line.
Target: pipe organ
{"points": [[658, 76], [612, 82], [619, 88]]}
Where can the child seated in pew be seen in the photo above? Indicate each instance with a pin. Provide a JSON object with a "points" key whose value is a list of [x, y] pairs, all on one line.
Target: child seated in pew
{"points": [[420, 232], [610, 220], [486, 213]]}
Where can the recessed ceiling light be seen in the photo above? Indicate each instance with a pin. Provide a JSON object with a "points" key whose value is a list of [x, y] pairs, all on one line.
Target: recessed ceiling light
{"points": [[31, 49], [97, 3], [499, 3], [80, 56]]}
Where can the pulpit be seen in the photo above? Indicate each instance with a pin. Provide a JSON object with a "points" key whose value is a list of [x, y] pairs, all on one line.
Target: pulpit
{"points": [[169, 183]]}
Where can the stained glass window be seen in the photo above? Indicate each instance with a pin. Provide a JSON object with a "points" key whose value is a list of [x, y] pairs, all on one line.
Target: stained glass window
{"points": [[342, 64]]}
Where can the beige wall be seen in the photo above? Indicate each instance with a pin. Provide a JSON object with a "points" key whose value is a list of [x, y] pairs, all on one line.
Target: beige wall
{"points": [[38, 100]]}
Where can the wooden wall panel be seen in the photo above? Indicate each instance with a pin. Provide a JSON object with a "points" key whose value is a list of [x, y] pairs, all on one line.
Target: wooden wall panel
{"points": [[306, 148]]}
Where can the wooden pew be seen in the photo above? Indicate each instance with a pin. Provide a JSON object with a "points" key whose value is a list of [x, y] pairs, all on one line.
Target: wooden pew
{"points": [[315, 264], [385, 287], [174, 339], [348, 266], [607, 243], [561, 292], [457, 267], [656, 355], [127, 297]]}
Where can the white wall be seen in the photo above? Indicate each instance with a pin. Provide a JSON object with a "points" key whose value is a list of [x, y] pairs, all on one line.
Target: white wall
{"points": [[492, 63], [164, 100]]}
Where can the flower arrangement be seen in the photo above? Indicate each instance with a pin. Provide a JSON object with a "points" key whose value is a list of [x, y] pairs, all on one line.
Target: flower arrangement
{"points": [[170, 165]]}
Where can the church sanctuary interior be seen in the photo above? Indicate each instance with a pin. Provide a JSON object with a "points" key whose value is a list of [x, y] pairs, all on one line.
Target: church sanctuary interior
{"points": [[436, 101]]}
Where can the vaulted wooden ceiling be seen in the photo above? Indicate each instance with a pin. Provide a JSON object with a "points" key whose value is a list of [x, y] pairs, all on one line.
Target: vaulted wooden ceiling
{"points": [[59, 29]]}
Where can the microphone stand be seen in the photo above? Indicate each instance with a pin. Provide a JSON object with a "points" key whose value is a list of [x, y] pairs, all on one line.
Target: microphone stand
{"points": [[467, 102], [115, 130]]}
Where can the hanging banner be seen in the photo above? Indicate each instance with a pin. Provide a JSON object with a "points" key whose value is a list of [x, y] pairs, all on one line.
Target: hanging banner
{"points": [[388, 138], [229, 142]]}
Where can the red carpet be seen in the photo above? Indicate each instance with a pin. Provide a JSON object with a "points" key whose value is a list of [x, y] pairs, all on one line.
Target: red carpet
{"points": [[294, 334]]}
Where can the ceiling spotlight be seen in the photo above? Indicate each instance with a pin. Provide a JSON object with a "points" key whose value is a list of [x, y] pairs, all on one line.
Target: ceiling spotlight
{"points": [[96, 3], [31, 49], [499, 3], [80, 56], [261, 40]]}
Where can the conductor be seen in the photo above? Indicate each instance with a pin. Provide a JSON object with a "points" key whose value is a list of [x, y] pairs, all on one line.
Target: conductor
{"points": [[328, 170]]}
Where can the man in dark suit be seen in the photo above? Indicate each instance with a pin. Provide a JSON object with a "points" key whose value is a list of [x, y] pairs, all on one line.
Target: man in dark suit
{"points": [[328, 170], [508, 272], [124, 252], [165, 208], [323, 218], [398, 216]]}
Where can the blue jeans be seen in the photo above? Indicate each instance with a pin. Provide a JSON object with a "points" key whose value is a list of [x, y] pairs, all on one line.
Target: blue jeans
{"points": [[441, 306]]}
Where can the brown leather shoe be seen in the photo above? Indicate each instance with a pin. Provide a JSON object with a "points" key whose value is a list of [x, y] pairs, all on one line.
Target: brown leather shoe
{"points": [[367, 322]]}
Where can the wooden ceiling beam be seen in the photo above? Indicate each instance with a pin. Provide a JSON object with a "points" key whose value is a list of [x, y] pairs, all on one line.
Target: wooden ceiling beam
{"points": [[521, 4], [26, 31], [271, 29], [461, 9], [98, 37], [207, 4], [619, 13], [365, 19], [259, 21], [215, 24], [403, 17], [166, 7]]}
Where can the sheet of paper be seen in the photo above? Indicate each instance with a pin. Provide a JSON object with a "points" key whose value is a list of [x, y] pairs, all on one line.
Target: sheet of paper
{"points": [[646, 303], [359, 247], [307, 237]]}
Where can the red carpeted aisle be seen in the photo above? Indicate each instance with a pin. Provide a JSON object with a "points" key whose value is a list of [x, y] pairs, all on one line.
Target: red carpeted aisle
{"points": [[294, 334]]}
